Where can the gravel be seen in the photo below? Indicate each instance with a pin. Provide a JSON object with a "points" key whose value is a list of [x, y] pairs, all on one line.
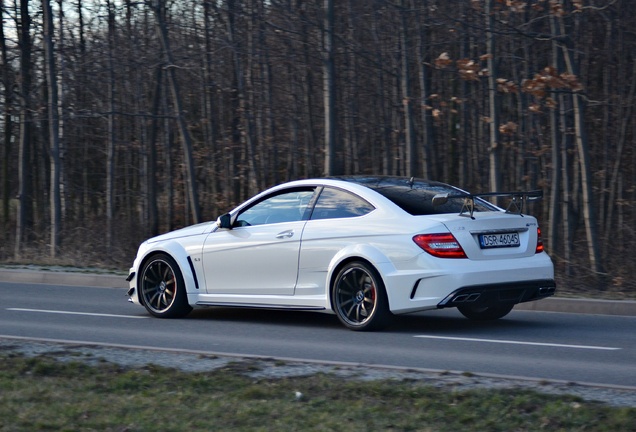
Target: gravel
{"points": [[269, 368]]}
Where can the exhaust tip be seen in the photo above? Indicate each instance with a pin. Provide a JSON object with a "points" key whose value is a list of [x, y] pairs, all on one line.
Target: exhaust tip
{"points": [[547, 290], [473, 297], [466, 298]]}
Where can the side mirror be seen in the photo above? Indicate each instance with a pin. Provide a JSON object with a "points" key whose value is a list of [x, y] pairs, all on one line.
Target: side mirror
{"points": [[224, 221]]}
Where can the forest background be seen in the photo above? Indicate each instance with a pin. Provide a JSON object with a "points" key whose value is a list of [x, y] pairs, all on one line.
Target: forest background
{"points": [[123, 119]]}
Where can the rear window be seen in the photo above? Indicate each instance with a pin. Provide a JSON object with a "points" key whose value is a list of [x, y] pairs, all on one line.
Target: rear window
{"points": [[416, 197], [335, 203]]}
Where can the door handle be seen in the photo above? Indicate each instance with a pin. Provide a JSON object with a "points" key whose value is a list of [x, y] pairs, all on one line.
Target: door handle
{"points": [[285, 234]]}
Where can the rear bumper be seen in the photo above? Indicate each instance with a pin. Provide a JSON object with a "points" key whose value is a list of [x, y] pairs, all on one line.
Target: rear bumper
{"points": [[500, 293]]}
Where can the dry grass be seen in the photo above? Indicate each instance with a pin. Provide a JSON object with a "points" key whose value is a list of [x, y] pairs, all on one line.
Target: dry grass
{"points": [[41, 394]]}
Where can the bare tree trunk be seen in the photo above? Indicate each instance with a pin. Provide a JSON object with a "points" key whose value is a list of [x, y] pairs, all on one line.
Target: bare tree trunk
{"points": [[168, 166], [310, 148], [186, 139], [329, 89], [151, 178], [210, 120], [7, 83], [61, 73], [244, 85], [110, 152], [616, 169], [607, 127], [54, 138], [24, 222], [385, 123], [423, 62], [495, 149], [411, 167], [352, 156], [267, 80], [84, 194], [585, 166], [557, 177]]}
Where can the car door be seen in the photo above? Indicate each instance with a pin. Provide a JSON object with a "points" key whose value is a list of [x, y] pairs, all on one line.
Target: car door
{"points": [[334, 224], [259, 255]]}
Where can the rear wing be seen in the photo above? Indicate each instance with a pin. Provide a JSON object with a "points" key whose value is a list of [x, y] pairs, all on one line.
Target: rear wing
{"points": [[515, 206]]}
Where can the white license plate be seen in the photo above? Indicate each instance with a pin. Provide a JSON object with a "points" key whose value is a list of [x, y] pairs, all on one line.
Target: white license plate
{"points": [[507, 239]]}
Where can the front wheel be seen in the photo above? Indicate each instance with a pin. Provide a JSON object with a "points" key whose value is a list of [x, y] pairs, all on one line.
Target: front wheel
{"points": [[485, 313], [162, 288], [359, 297]]}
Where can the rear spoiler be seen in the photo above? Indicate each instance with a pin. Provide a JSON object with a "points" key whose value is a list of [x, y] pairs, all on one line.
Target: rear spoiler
{"points": [[515, 206]]}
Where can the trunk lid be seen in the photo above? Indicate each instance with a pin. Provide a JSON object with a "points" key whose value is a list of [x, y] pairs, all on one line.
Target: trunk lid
{"points": [[494, 235]]}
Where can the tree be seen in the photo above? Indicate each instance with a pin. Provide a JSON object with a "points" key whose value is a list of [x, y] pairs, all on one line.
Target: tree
{"points": [[424, 62], [111, 143], [329, 89], [493, 94], [7, 83], [493, 122], [24, 223], [580, 136], [186, 140], [407, 99], [54, 137]]}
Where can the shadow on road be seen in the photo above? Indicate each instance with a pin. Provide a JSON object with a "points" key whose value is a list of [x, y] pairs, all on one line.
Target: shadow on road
{"points": [[437, 321]]}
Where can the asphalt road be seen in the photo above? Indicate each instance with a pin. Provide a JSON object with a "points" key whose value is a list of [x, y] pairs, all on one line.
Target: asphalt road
{"points": [[545, 345]]}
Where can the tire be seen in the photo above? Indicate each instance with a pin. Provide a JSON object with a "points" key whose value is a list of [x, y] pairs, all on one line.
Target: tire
{"points": [[485, 313], [359, 298], [162, 289]]}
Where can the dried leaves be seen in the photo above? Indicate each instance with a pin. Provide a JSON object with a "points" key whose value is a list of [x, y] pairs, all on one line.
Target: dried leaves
{"points": [[540, 85]]}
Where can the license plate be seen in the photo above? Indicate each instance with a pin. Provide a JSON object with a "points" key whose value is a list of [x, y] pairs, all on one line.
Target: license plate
{"points": [[507, 239]]}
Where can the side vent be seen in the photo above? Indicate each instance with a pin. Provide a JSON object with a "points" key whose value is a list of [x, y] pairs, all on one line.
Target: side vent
{"points": [[194, 273]]}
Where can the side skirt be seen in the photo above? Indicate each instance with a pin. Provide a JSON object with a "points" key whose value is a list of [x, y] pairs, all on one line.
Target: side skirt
{"points": [[261, 306]]}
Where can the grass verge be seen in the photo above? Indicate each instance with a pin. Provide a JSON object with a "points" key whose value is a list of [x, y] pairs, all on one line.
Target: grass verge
{"points": [[41, 394]]}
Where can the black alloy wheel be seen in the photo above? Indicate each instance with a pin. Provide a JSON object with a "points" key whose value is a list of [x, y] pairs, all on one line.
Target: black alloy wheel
{"points": [[359, 297], [162, 288]]}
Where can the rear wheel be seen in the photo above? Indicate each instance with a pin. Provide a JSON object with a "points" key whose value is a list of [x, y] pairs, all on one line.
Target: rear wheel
{"points": [[162, 288], [359, 297], [485, 313]]}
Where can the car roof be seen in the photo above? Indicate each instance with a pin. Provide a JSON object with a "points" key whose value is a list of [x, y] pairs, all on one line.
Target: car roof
{"points": [[410, 194], [377, 182]]}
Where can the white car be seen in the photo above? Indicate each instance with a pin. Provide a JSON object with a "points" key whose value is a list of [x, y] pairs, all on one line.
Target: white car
{"points": [[362, 247]]}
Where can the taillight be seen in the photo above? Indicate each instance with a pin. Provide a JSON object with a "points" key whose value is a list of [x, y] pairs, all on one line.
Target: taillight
{"points": [[440, 245], [540, 247]]}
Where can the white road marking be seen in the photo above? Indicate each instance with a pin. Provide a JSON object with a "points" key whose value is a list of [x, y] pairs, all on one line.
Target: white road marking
{"points": [[519, 343], [75, 313]]}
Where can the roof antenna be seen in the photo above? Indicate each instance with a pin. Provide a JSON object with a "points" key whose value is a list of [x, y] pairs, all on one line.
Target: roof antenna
{"points": [[411, 182]]}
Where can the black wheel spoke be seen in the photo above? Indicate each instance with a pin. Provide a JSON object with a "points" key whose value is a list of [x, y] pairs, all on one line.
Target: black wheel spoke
{"points": [[154, 296], [349, 284], [363, 310], [349, 311], [346, 302]]}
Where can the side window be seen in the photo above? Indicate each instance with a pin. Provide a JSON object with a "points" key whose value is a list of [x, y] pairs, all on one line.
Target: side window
{"points": [[336, 203], [284, 207]]}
